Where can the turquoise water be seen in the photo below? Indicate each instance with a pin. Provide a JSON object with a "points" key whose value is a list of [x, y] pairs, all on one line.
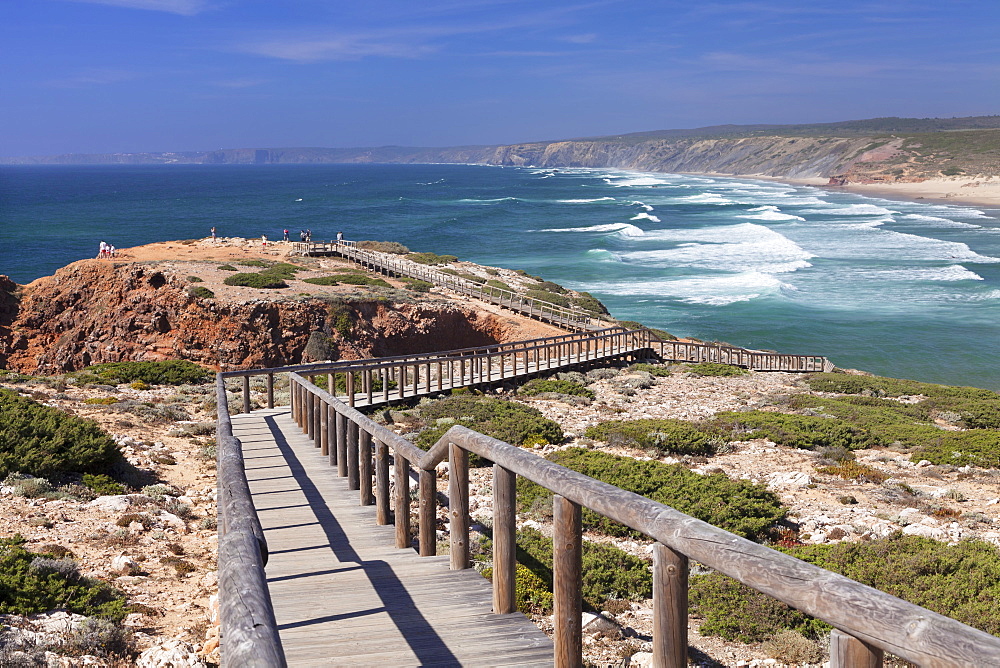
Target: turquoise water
{"points": [[907, 289]]}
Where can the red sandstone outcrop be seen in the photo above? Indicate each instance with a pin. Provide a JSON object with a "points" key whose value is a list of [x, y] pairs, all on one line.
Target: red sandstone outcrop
{"points": [[91, 312]]}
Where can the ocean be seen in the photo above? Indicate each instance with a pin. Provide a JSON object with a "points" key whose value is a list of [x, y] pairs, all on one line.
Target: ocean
{"points": [[905, 289]]}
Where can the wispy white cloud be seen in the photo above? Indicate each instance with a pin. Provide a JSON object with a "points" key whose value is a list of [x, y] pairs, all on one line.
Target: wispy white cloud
{"points": [[92, 77], [182, 7], [586, 38], [241, 83], [342, 46]]}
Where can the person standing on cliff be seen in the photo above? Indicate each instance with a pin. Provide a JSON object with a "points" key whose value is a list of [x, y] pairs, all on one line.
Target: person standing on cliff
{"points": [[286, 235], [102, 250], [213, 234], [309, 235], [340, 237]]}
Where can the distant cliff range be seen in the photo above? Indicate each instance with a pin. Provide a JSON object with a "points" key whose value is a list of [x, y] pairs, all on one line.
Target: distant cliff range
{"points": [[881, 150]]}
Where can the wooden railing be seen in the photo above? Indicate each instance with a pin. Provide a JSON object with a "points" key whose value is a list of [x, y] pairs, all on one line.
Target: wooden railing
{"points": [[867, 621], [390, 379], [681, 351], [248, 626], [570, 318]]}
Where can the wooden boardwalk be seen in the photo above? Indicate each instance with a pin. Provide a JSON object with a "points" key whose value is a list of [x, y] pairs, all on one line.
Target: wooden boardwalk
{"points": [[343, 594]]}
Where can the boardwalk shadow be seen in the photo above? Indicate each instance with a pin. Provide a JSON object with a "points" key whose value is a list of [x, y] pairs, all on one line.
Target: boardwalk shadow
{"points": [[419, 634]]}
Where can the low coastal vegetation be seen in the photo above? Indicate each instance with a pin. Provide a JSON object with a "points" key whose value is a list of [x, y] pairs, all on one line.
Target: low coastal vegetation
{"points": [[43, 441], [431, 258], [961, 581], [168, 372], [502, 419], [393, 247], [744, 508]]}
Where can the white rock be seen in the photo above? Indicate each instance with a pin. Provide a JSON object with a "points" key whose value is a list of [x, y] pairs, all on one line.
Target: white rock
{"points": [[125, 565], [788, 479], [924, 531], [119, 502], [641, 660], [601, 625], [173, 521], [170, 654]]}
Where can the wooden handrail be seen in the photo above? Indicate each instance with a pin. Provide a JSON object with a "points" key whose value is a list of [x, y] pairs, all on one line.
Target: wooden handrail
{"points": [[868, 620], [568, 317], [248, 627]]}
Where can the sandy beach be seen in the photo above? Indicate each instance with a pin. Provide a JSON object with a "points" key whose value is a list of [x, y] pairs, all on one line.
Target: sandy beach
{"points": [[977, 191]]}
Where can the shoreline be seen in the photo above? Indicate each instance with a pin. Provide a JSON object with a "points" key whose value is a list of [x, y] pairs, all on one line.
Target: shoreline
{"points": [[980, 193]]}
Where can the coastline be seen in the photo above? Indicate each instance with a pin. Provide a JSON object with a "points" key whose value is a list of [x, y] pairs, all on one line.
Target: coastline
{"points": [[978, 192]]}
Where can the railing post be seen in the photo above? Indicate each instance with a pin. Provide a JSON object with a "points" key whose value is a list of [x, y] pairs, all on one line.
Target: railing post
{"points": [[324, 429], [307, 422], [458, 501], [567, 565], [270, 390], [428, 513], [246, 394], [504, 540], [317, 420], [365, 468], [341, 446], [402, 501], [670, 606], [349, 383], [381, 483], [846, 651], [331, 436], [353, 481]]}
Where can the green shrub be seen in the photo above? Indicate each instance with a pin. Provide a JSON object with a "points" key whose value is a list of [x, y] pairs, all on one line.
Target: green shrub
{"points": [[431, 258], [168, 372], [661, 435], [652, 369], [852, 470], [716, 369], [227, 267], [549, 286], [505, 420], [341, 317], [978, 447], [102, 485], [261, 281], [550, 297], [322, 280], [795, 431], [592, 304], [539, 385], [28, 590], [252, 263], [42, 441], [417, 285], [531, 594], [282, 270], [494, 283], [361, 279], [608, 573], [195, 279], [961, 581], [201, 292], [384, 247], [739, 506]]}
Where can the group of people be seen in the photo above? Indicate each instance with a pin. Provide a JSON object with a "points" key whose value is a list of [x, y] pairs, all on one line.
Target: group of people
{"points": [[106, 251]]}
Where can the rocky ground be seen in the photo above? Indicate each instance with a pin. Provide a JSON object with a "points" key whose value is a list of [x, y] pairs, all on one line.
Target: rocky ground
{"points": [[160, 546]]}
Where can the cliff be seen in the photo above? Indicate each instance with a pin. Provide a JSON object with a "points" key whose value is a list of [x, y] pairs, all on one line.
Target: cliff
{"points": [[881, 150], [92, 312]]}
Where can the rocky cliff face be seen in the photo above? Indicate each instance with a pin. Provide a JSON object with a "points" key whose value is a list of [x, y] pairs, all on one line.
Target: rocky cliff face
{"points": [[791, 157], [92, 312]]}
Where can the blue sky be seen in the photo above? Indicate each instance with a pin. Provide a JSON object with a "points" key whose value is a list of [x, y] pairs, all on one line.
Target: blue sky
{"points": [[158, 75]]}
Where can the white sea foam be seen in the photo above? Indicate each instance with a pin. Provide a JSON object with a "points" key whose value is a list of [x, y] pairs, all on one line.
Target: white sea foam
{"points": [[936, 221], [623, 229], [601, 255], [586, 201], [709, 290], [706, 198], [643, 205], [488, 201], [743, 247], [853, 210], [645, 216], [620, 181], [769, 212]]}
